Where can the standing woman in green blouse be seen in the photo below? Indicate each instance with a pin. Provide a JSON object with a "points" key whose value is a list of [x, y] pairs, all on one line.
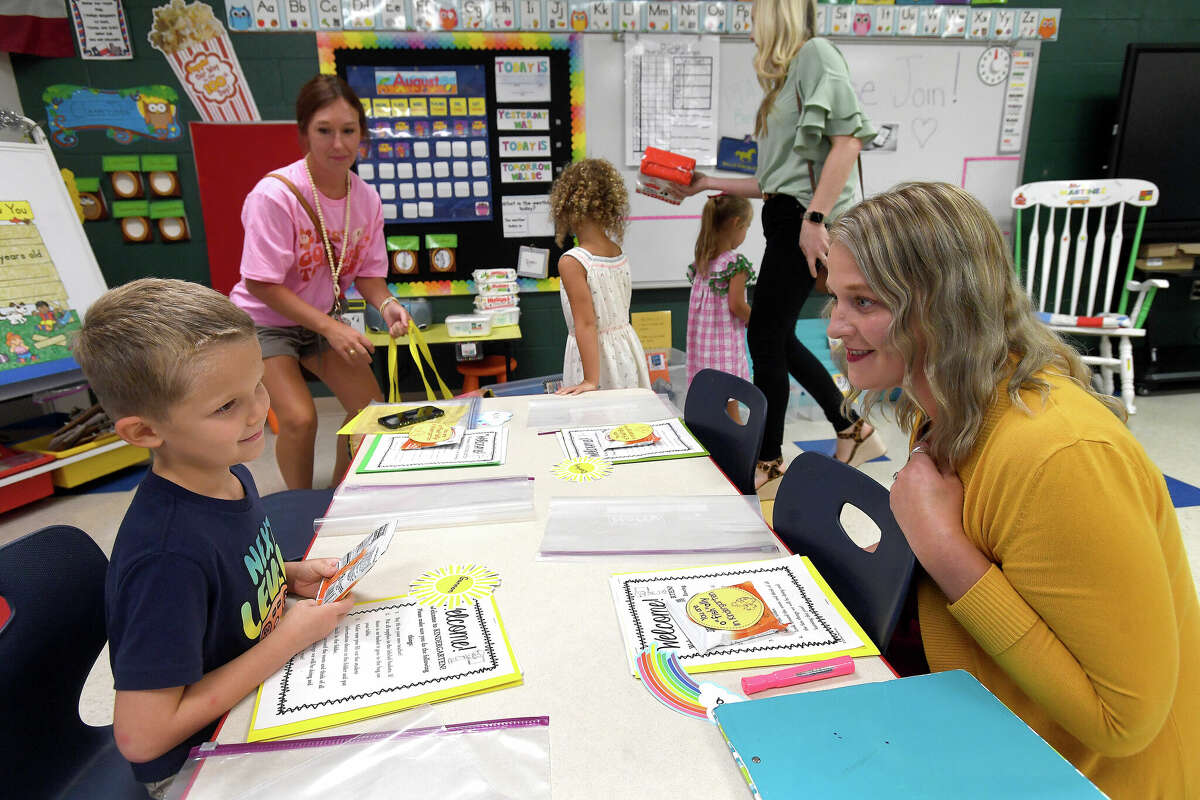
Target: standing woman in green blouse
{"points": [[810, 129]]}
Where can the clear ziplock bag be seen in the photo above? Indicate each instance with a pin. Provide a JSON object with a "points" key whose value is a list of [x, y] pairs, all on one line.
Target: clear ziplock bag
{"points": [[356, 508], [500, 759], [622, 526], [596, 409]]}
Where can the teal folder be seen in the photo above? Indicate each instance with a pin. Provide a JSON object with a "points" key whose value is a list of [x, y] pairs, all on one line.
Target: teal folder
{"points": [[930, 736]]}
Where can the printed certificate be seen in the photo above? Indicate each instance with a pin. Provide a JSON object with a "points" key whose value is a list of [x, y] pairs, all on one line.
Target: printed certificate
{"points": [[647, 609], [671, 439], [485, 447], [386, 656]]}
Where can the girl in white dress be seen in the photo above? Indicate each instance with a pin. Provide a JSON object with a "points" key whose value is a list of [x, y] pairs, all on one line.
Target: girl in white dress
{"points": [[603, 352]]}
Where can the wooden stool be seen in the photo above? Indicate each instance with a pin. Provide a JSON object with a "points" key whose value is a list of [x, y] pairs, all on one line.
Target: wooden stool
{"points": [[472, 371]]}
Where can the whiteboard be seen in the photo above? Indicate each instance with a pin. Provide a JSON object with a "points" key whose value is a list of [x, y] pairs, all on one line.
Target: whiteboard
{"points": [[948, 129], [30, 173]]}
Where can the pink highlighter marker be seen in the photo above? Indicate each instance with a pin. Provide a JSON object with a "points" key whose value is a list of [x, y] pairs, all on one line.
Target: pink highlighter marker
{"points": [[801, 673]]}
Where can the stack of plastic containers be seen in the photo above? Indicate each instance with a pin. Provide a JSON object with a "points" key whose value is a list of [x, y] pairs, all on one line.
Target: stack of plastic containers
{"points": [[497, 295]]}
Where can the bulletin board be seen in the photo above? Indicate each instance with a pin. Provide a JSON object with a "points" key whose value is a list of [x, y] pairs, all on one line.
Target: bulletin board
{"points": [[468, 132], [428, 152]]}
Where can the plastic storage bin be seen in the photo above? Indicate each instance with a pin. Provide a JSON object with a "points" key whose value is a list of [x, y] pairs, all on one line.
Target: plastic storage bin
{"points": [[29, 489], [87, 469], [467, 325], [546, 384], [504, 316]]}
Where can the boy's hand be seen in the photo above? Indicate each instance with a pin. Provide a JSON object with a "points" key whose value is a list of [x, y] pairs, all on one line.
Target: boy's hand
{"points": [[304, 577], [307, 622]]}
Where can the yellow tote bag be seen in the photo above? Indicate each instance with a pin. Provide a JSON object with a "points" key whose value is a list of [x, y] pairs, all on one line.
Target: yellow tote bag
{"points": [[418, 349]]}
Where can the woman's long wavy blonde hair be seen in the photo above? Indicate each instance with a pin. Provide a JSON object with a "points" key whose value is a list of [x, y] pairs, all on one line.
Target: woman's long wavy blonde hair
{"points": [[781, 27], [935, 258]]}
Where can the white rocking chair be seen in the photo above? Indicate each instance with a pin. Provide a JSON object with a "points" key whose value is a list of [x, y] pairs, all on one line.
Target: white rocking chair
{"points": [[1096, 314]]}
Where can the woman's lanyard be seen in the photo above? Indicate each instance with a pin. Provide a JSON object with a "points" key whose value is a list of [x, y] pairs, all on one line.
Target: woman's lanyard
{"points": [[335, 272]]}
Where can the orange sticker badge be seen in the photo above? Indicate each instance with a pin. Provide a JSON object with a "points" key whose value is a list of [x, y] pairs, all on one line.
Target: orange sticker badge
{"points": [[631, 433], [428, 434]]}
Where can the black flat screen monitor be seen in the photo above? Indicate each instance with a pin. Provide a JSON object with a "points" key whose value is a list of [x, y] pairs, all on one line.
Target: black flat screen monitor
{"points": [[1158, 115]]}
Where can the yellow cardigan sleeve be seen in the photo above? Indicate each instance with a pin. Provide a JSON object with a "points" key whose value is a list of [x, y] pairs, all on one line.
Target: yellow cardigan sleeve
{"points": [[1078, 610]]}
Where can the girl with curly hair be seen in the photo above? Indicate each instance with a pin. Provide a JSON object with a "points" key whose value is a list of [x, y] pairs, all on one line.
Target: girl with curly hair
{"points": [[1053, 566], [603, 352]]}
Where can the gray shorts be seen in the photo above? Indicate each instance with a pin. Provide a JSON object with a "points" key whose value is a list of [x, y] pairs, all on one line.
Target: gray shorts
{"points": [[295, 341]]}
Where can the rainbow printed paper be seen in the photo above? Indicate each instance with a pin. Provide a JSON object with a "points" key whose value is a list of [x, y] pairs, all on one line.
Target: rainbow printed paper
{"points": [[664, 678]]}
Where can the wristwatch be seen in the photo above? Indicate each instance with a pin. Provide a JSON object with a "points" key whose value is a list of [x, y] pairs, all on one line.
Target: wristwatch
{"points": [[815, 216]]}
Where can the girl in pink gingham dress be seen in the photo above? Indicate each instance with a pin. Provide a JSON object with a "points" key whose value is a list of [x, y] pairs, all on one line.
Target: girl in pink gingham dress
{"points": [[718, 311]]}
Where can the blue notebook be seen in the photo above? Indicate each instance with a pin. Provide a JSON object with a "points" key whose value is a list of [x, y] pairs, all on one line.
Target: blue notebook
{"points": [[930, 736]]}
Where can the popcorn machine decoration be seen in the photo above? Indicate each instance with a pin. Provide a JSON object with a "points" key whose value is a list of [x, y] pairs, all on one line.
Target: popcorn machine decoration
{"points": [[198, 49]]}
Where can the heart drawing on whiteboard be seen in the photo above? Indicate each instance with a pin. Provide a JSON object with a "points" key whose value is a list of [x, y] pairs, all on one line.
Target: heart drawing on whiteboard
{"points": [[923, 130]]}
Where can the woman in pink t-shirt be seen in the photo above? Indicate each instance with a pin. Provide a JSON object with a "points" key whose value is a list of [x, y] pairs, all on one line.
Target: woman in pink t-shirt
{"points": [[309, 224]]}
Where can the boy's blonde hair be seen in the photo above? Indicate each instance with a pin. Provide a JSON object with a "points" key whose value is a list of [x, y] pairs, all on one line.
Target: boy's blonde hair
{"points": [[718, 211], [589, 190], [781, 28], [140, 342], [935, 258]]}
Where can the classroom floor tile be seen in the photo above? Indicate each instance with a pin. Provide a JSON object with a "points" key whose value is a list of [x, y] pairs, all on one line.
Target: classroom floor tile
{"points": [[827, 447]]}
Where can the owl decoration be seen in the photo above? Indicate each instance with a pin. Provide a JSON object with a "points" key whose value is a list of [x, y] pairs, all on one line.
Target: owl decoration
{"points": [[158, 112], [862, 23], [240, 18]]}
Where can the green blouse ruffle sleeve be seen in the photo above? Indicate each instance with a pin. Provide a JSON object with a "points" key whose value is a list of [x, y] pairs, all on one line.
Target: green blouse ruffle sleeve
{"points": [[829, 107], [819, 82]]}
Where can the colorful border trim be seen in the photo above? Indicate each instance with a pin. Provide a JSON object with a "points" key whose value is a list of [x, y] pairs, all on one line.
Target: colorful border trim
{"points": [[328, 42], [437, 288]]}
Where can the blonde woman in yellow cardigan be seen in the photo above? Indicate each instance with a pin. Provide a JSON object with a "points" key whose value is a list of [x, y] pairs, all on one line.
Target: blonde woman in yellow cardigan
{"points": [[1054, 570]]}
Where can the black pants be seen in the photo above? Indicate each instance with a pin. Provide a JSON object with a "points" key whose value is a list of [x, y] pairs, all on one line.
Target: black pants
{"points": [[784, 283]]}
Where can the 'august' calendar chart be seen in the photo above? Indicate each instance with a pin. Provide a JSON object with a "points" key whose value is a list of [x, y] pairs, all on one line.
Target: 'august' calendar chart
{"points": [[427, 155]]}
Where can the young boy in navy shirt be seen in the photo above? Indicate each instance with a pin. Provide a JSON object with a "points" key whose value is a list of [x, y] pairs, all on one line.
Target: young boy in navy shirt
{"points": [[196, 581]]}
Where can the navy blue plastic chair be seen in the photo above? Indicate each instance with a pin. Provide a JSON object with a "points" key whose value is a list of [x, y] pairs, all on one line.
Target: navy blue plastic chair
{"points": [[734, 447], [807, 518], [53, 580], [292, 513]]}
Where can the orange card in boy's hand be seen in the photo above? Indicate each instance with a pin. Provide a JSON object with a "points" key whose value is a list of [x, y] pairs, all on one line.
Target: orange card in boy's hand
{"points": [[355, 564]]}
